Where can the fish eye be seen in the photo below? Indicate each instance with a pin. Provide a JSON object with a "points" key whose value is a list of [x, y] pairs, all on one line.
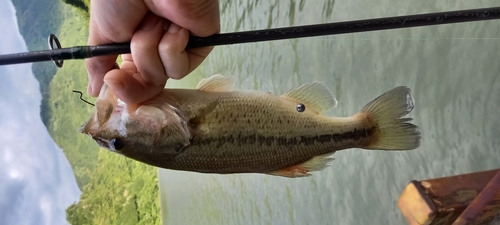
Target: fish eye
{"points": [[117, 143], [301, 107]]}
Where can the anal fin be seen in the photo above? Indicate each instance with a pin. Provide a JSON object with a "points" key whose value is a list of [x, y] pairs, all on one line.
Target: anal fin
{"points": [[316, 163]]}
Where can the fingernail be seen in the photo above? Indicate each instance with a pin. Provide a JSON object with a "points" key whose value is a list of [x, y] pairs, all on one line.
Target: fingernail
{"points": [[174, 28], [150, 22]]}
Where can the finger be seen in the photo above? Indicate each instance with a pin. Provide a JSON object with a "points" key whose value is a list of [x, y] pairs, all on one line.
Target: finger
{"points": [[115, 20], [129, 86], [200, 17], [144, 47], [177, 61], [96, 69], [128, 63], [110, 21]]}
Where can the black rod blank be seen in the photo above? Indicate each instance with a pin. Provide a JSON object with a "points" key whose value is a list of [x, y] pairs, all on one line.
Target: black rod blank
{"points": [[348, 27], [81, 52]]}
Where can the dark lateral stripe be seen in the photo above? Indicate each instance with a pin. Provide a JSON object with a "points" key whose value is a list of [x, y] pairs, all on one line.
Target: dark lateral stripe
{"points": [[238, 139]]}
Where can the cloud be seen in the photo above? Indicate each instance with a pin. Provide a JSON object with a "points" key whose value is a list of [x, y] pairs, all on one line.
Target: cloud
{"points": [[36, 181]]}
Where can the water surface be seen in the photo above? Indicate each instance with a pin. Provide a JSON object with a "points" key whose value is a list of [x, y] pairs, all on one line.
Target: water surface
{"points": [[453, 72]]}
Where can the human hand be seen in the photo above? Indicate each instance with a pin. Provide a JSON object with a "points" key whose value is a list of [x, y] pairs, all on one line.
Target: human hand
{"points": [[158, 31]]}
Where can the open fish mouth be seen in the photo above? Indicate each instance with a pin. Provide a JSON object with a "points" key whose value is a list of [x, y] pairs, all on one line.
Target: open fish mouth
{"points": [[101, 142]]}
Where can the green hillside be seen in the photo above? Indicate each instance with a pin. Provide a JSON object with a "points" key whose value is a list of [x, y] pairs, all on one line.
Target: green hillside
{"points": [[36, 21], [67, 112], [120, 192], [115, 190]]}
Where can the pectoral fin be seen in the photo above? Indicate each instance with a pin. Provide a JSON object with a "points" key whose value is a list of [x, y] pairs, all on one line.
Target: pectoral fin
{"points": [[177, 127], [203, 111], [169, 124], [317, 163]]}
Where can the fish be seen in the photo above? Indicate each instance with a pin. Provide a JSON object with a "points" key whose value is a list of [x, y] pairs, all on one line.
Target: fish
{"points": [[215, 129]]}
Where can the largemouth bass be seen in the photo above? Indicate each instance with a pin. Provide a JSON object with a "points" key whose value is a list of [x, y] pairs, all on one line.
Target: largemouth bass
{"points": [[213, 129]]}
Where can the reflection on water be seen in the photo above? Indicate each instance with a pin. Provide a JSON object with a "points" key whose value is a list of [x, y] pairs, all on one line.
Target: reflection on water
{"points": [[452, 70]]}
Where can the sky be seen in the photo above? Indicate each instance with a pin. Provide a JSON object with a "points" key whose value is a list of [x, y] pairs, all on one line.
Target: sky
{"points": [[36, 180]]}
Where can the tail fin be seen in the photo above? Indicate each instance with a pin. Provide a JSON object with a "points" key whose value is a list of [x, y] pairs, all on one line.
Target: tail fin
{"points": [[394, 132]]}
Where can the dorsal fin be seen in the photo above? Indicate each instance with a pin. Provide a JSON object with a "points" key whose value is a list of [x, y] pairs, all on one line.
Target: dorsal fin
{"points": [[314, 95], [217, 83]]}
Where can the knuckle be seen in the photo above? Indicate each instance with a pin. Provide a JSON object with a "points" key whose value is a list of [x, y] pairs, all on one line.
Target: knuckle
{"points": [[114, 33], [201, 17], [166, 47], [137, 45], [91, 66]]}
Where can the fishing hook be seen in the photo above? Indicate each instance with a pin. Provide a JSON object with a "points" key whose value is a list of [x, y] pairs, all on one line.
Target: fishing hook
{"points": [[81, 98]]}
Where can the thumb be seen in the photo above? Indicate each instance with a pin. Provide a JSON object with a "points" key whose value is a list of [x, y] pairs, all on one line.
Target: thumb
{"points": [[111, 21]]}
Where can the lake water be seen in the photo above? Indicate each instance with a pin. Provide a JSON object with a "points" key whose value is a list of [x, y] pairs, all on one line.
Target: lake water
{"points": [[452, 70]]}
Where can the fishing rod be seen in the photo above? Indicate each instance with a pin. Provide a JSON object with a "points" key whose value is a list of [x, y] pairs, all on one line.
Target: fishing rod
{"points": [[58, 54]]}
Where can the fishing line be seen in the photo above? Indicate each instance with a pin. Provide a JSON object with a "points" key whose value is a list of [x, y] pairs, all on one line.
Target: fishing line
{"points": [[81, 98]]}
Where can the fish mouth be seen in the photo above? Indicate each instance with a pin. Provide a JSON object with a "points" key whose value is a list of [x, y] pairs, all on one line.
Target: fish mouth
{"points": [[101, 142], [106, 107], [90, 127], [84, 129]]}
